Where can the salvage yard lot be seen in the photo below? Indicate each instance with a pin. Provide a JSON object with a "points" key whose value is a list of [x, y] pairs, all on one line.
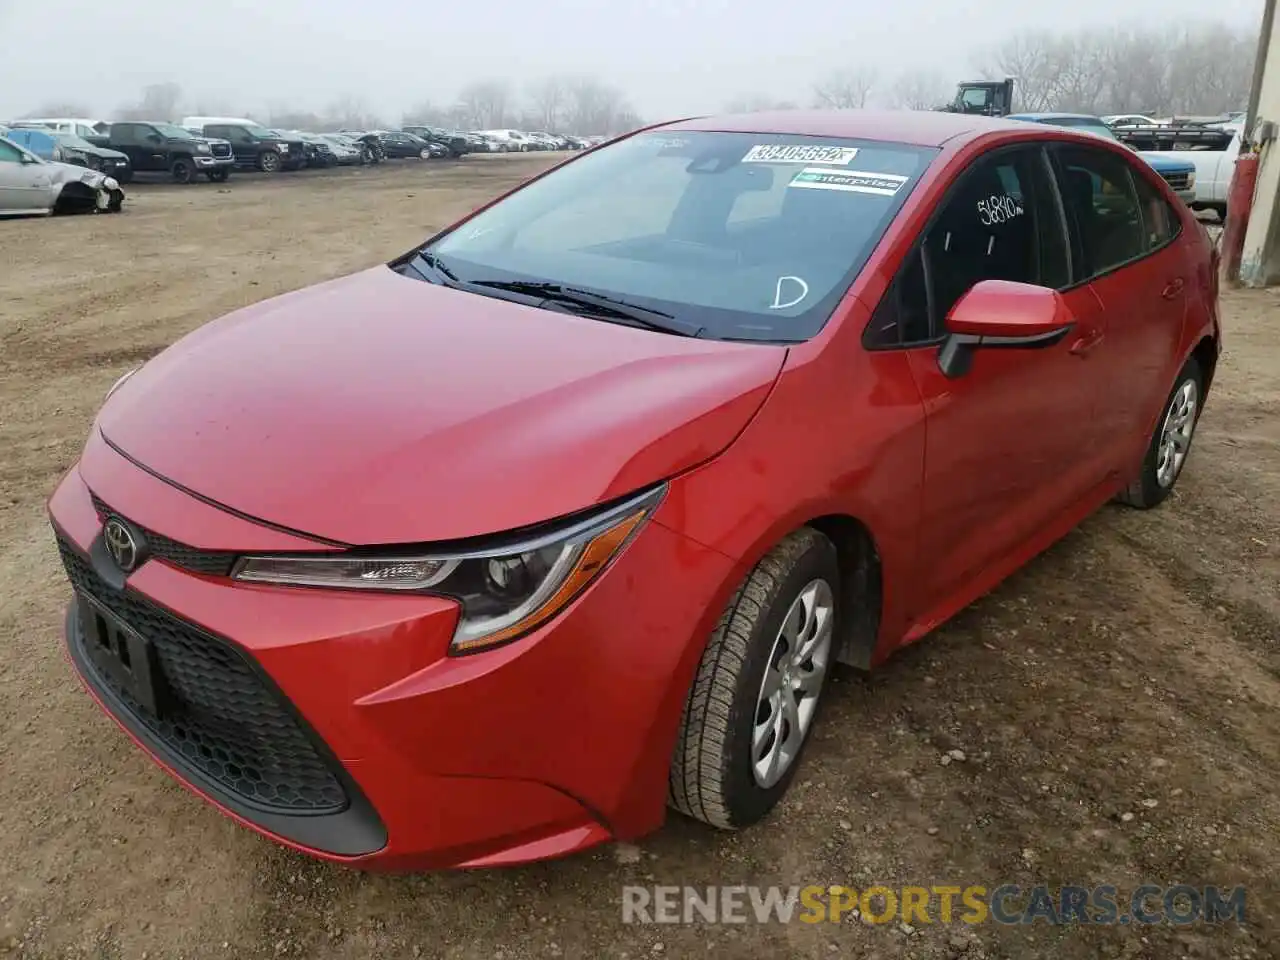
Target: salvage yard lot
{"points": [[1117, 703]]}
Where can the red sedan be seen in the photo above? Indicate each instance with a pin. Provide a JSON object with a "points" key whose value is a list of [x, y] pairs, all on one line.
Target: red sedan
{"points": [[494, 552]]}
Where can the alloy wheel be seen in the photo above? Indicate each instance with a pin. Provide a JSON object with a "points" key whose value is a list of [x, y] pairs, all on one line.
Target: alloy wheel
{"points": [[1175, 433], [792, 683]]}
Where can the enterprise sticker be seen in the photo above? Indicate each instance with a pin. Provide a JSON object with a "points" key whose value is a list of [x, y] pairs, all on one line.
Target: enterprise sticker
{"points": [[853, 181], [799, 153]]}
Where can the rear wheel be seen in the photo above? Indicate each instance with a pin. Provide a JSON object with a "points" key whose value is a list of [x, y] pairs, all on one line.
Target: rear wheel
{"points": [[756, 693], [1171, 443], [183, 170]]}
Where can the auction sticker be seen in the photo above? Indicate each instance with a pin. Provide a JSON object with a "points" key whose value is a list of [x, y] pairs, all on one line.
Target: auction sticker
{"points": [[800, 153], [853, 181]]}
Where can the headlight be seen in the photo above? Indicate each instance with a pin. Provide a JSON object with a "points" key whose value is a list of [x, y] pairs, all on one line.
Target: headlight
{"points": [[111, 183], [57, 153], [505, 590], [203, 148], [1191, 179]]}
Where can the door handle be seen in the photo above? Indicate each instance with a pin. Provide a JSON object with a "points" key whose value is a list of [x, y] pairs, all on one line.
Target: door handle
{"points": [[1172, 288], [1087, 343]]}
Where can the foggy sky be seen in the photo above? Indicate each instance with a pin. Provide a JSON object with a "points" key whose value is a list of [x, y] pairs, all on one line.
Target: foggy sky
{"points": [[671, 57]]}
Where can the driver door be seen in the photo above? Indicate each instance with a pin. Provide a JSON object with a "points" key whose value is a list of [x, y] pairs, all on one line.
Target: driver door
{"points": [[23, 186], [1011, 443]]}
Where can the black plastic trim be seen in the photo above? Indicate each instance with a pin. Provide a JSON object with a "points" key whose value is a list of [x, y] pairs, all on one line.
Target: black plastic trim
{"points": [[353, 832]]}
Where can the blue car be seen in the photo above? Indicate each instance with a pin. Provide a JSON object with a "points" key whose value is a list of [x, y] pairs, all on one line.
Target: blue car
{"points": [[60, 147], [1179, 174]]}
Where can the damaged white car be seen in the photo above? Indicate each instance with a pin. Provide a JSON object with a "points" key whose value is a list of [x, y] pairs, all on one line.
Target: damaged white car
{"points": [[29, 185]]}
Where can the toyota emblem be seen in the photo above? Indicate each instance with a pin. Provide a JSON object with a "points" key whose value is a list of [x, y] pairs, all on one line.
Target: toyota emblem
{"points": [[120, 544]]}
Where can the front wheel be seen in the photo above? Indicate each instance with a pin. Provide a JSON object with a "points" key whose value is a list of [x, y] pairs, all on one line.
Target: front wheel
{"points": [[269, 161], [756, 693], [1170, 443], [183, 170]]}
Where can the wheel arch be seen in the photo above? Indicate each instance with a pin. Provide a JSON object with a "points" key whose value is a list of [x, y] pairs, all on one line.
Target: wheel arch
{"points": [[1205, 354], [861, 589]]}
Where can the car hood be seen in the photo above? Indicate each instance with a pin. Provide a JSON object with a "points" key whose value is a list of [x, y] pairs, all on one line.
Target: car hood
{"points": [[70, 172], [379, 409]]}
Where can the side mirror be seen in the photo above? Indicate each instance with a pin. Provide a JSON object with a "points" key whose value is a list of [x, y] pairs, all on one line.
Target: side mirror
{"points": [[1002, 314]]}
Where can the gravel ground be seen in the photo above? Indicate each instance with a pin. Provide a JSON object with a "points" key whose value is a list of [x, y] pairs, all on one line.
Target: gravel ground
{"points": [[1115, 703]]}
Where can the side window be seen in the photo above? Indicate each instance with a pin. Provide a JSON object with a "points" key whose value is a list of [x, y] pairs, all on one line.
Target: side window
{"points": [[10, 154], [999, 222], [1160, 222], [1102, 208], [150, 135]]}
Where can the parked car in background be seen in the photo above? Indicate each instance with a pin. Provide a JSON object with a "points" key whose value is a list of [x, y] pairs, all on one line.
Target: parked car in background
{"points": [[1212, 148], [455, 143], [513, 141], [316, 150], [346, 152], [84, 127], [32, 186], [1179, 174], [1128, 120], [49, 144], [254, 146], [487, 143], [404, 145], [160, 147], [369, 142]]}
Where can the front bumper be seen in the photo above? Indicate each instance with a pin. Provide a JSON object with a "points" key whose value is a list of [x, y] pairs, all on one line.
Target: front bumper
{"points": [[206, 162], [548, 745]]}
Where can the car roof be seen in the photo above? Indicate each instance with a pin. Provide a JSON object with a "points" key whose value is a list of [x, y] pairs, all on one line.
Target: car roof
{"points": [[923, 128]]}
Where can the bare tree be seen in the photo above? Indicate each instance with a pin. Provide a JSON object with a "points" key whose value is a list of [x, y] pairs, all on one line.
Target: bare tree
{"points": [[60, 108], [548, 98], [352, 113], [1202, 70], [594, 107], [426, 112], [758, 103], [918, 90], [159, 101], [485, 104], [845, 89], [283, 118]]}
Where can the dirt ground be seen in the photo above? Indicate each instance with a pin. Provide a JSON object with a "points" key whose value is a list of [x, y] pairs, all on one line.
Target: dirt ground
{"points": [[1117, 703]]}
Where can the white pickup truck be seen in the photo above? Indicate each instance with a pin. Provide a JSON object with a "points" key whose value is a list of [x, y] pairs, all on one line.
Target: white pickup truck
{"points": [[1213, 148]]}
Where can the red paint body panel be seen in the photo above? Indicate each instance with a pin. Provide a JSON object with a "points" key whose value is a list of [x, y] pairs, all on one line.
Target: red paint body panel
{"points": [[290, 406], [378, 410]]}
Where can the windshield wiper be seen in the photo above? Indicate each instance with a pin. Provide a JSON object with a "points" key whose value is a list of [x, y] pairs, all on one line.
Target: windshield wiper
{"points": [[597, 303], [434, 262]]}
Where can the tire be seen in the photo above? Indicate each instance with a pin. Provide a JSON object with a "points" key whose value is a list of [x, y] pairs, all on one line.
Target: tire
{"points": [[366, 156], [1158, 476], [269, 161], [715, 773], [219, 176], [424, 154], [183, 170]]}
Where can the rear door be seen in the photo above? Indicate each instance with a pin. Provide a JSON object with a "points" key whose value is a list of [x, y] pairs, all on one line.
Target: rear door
{"points": [[1010, 444], [1121, 234]]}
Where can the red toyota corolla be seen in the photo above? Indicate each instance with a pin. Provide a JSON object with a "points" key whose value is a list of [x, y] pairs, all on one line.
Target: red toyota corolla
{"points": [[491, 554]]}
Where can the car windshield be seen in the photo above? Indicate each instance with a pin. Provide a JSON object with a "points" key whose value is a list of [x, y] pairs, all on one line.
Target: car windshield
{"points": [[745, 236], [173, 131]]}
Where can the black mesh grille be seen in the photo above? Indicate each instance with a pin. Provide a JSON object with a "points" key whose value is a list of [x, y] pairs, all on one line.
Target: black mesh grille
{"points": [[222, 719], [215, 563]]}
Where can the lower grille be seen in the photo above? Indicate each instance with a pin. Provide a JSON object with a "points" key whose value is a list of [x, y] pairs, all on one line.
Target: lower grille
{"points": [[221, 718], [1178, 181]]}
